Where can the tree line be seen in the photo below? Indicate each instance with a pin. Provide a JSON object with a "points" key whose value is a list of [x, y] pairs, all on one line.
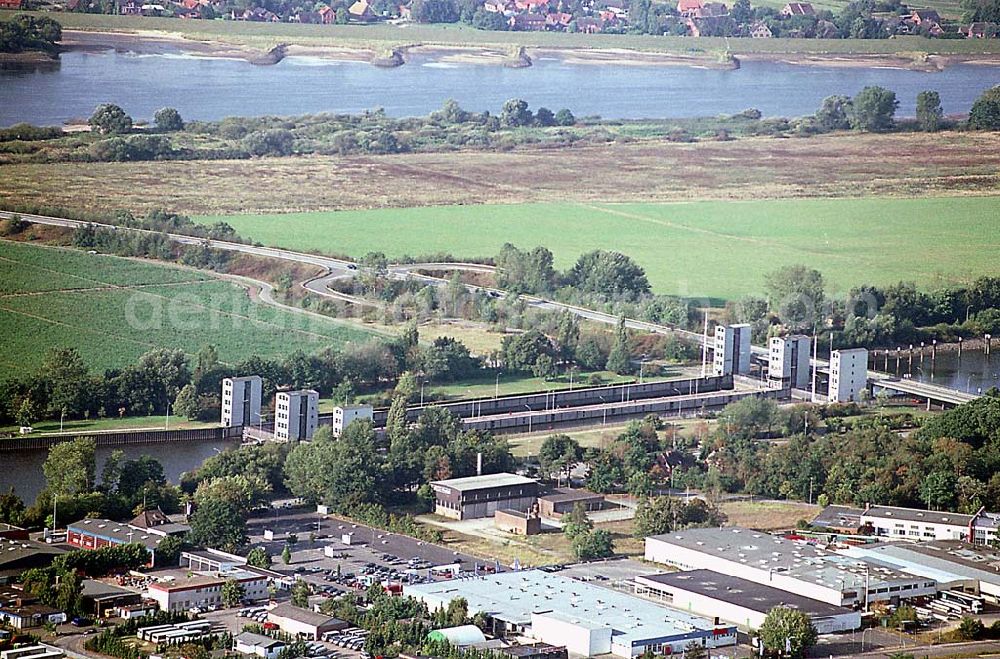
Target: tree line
{"points": [[26, 33]]}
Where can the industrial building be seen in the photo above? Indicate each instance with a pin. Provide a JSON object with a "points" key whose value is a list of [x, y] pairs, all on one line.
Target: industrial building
{"points": [[732, 349], [21, 610], [793, 566], [296, 414], [739, 601], [258, 645], [914, 524], [474, 497], [953, 564], [104, 600], [16, 556], [587, 620], [181, 590], [97, 533], [39, 651], [304, 623], [345, 415], [241, 398], [559, 501], [518, 523], [788, 361], [848, 375]]}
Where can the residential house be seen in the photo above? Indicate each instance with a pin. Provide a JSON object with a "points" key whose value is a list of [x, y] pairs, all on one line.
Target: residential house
{"points": [[707, 25], [760, 30], [130, 8], [981, 30], [307, 17], [589, 25], [361, 11], [923, 16], [798, 9], [686, 8], [558, 21], [10, 4], [497, 6], [527, 22], [327, 16], [405, 12], [534, 6], [711, 10]]}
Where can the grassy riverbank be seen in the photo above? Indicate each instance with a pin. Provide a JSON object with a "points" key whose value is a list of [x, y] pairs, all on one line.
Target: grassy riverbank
{"points": [[265, 35], [894, 165]]}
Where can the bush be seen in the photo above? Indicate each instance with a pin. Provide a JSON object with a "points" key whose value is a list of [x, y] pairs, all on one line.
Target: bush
{"points": [[168, 119], [271, 142], [28, 133]]}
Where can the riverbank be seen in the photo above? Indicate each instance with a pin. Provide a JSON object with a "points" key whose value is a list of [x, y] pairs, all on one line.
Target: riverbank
{"points": [[454, 43], [28, 57]]}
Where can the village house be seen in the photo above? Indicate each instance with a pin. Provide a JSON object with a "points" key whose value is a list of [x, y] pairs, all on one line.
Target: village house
{"points": [[589, 25], [980, 30], [923, 16], [760, 30], [327, 15], [527, 22], [687, 8], [711, 10], [361, 11], [534, 6], [130, 8], [558, 21], [10, 4], [798, 9]]}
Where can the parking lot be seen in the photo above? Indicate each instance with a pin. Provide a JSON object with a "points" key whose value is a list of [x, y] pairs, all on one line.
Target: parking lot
{"points": [[372, 555]]}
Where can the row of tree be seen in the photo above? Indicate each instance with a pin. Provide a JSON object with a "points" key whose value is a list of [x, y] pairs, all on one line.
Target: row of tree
{"points": [[26, 33]]}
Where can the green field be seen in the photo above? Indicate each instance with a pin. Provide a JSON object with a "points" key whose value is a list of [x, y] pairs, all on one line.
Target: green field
{"points": [[113, 310], [378, 36], [716, 249]]}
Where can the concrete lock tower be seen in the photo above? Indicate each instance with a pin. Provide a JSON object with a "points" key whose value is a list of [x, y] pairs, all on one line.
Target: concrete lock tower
{"points": [[732, 349], [296, 414], [241, 401], [848, 375], [788, 361]]}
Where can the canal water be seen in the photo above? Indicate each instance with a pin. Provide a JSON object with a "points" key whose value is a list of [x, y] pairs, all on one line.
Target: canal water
{"points": [[23, 470], [212, 88], [973, 372]]}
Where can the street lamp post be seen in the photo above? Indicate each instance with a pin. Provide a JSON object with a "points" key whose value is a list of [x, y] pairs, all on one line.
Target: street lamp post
{"points": [[529, 418], [496, 388]]}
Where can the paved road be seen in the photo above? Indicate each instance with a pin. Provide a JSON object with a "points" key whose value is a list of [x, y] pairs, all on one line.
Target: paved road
{"points": [[339, 269]]}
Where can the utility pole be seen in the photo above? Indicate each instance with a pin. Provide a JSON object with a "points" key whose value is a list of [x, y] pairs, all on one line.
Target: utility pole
{"points": [[704, 345]]}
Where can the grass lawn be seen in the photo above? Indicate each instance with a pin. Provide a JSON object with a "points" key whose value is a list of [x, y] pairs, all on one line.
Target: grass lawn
{"points": [[126, 423], [715, 249], [527, 445], [767, 515], [382, 35], [114, 309]]}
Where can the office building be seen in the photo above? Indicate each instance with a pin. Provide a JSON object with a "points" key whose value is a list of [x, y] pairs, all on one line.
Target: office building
{"points": [[793, 566], [474, 497], [848, 375], [914, 524], [739, 601], [296, 414], [732, 349], [241, 399], [788, 361], [345, 415], [954, 565], [587, 620], [181, 590]]}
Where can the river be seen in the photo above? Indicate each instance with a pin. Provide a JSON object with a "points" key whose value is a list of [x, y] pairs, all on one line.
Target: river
{"points": [[23, 470], [209, 88]]}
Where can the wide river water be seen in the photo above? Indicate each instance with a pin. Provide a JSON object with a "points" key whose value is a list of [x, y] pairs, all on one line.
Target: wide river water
{"points": [[210, 88]]}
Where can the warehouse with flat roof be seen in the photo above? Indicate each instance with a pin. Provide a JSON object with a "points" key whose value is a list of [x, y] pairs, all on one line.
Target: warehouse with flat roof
{"points": [[794, 566], [474, 497], [740, 601], [588, 620]]}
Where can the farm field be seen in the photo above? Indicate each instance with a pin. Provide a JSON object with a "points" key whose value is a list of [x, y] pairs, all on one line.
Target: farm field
{"points": [[113, 310], [707, 249], [653, 170], [382, 35]]}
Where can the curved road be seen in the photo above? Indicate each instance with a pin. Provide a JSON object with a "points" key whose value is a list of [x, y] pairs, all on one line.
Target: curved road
{"points": [[340, 268]]}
